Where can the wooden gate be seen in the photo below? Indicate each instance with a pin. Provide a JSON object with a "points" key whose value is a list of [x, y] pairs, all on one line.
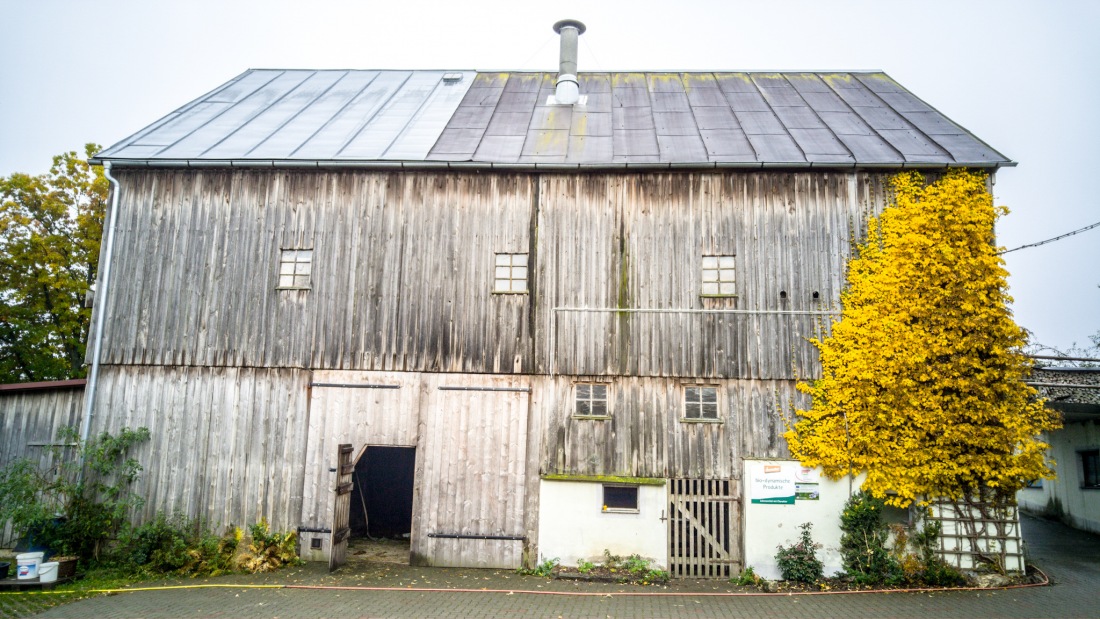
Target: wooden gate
{"points": [[704, 528], [345, 467]]}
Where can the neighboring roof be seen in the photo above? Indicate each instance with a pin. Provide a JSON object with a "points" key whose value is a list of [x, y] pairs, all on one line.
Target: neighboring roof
{"points": [[464, 118], [43, 385]]}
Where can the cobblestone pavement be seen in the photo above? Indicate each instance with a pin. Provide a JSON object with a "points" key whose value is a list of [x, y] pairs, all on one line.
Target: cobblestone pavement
{"points": [[1070, 557]]}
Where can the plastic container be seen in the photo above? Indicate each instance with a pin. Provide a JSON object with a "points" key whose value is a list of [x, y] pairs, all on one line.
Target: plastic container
{"points": [[47, 572], [27, 565], [4, 565]]}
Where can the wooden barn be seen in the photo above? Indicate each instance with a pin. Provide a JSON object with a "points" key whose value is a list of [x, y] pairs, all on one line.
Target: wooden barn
{"points": [[511, 315]]}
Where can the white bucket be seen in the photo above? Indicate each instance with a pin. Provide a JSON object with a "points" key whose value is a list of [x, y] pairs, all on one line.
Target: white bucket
{"points": [[47, 572], [27, 565]]}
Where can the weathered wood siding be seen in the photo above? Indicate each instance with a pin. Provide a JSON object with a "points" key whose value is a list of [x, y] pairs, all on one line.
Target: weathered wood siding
{"points": [[402, 269], [636, 241], [228, 444], [29, 422], [646, 437]]}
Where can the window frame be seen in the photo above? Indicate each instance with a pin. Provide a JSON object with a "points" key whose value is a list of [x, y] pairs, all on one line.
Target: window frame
{"points": [[294, 274], [684, 403], [1088, 465], [511, 265], [621, 510], [577, 385], [719, 270]]}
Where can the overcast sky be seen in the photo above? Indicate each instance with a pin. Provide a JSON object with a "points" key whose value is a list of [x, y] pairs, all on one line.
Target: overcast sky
{"points": [[1022, 76]]}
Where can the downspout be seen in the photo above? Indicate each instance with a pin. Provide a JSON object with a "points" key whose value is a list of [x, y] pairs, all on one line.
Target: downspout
{"points": [[101, 311]]}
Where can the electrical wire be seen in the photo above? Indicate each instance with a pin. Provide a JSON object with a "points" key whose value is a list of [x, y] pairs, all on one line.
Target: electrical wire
{"points": [[1057, 238]]}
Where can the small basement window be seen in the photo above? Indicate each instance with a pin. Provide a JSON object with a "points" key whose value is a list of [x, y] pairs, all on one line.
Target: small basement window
{"points": [[591, 400], [620, 499], [718, 276], [1090, 468], [510, 274], [701, 403], [295, 268]]}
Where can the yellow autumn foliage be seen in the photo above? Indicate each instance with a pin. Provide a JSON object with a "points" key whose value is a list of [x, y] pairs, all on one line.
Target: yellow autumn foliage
{"points": [[922, 381]]}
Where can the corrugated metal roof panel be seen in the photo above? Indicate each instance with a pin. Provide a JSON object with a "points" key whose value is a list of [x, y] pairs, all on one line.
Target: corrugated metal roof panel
{"points": [[299, 117]]}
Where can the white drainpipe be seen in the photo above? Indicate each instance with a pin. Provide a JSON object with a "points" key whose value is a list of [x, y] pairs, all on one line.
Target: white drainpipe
{"points": [[100, 310]]}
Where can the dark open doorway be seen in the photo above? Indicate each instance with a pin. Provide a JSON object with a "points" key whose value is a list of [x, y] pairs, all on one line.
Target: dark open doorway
{"points": [[381, 502]]}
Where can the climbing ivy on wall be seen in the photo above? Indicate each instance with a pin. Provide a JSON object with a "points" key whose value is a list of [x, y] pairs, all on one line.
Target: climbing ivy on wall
{"points": [[922, 376]]}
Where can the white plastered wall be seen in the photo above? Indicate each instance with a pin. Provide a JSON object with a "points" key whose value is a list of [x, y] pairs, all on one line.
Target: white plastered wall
{"points": [[769, 525], [573, 525], [1081, 507]]}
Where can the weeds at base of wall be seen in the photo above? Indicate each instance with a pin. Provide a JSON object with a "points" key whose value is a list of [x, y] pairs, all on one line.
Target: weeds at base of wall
{"points": [[633, 569]]}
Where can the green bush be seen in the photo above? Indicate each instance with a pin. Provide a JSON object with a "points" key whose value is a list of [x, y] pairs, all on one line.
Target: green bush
{"points": [[746, 578], [546, 568], [798, 562], [73, 510], [863, 542]]}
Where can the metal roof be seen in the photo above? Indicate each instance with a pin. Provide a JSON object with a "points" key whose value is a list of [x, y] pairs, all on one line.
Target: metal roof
{"points": [[468, 119]]}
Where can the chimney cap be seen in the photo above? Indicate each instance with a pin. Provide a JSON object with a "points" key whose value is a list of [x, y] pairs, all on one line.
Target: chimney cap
{"points": [[569, 22]]}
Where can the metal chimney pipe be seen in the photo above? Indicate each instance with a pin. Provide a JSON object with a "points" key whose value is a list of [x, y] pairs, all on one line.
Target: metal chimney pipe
{"points": [[566, 91]]}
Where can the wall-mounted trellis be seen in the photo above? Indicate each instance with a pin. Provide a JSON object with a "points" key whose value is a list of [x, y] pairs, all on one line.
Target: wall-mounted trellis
{"points": [[980, 531]]}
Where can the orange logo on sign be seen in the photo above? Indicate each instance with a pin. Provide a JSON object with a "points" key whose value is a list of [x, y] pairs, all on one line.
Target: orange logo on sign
{"points": [[772, 468]]}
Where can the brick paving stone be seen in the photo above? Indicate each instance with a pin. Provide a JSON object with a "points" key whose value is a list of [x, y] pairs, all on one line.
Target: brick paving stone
{"points": [[1071, 557]]}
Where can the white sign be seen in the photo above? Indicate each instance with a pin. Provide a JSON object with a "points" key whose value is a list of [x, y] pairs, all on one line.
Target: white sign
{"points": [[772, 483]]}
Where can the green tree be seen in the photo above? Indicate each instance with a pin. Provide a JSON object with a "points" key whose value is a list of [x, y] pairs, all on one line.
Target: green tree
{"points": [[50, 229], [922, 384]]}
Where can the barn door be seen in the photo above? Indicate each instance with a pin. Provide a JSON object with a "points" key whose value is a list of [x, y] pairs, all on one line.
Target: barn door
{"points": [[345, 467], [473, 485], [704, 528]]}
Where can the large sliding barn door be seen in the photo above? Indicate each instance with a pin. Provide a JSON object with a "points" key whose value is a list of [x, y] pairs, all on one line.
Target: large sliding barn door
{"points": [[345, 467], [704, 528], [472, 473]]}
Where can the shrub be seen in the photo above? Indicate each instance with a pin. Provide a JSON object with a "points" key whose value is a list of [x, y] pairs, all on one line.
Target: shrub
{"points": [[747, 577], [798, 562], [269, 551], [863, 542], [546, 568], [70, 509]]}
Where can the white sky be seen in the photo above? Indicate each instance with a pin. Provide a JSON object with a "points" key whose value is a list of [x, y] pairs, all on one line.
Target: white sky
{"points": [[1023, 76]]}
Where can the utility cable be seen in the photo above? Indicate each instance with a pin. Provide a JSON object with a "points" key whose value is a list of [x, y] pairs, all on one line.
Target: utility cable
{"points": [[1057, 238]]}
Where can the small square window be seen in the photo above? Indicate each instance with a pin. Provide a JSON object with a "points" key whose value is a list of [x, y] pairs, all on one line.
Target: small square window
{"points": [[701, 403], [295, 268], [718, 276], [1090, 468], [510, 274], [591, 400], [620, 499]]}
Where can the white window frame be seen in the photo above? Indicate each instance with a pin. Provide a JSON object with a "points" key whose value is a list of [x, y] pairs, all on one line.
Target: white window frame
{"points": [[621, 510], [718, 276], [292, 271], [701, 403], [511, 273], [579, 387]]}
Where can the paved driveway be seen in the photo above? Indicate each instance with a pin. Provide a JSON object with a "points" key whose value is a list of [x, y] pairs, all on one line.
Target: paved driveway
{"points": [[1071, 558]]}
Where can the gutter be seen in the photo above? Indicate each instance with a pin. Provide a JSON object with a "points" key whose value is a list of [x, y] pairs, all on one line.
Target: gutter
{"points": [[384, 165], [101, 311]]}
